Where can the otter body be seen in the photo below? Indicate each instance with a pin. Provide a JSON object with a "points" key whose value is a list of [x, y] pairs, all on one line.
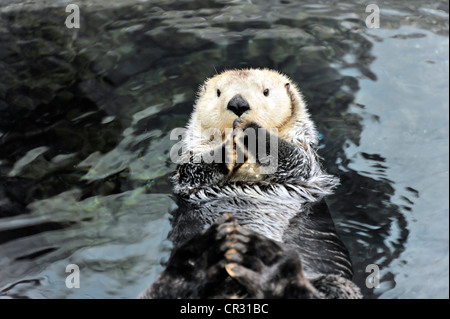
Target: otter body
{"points": [[240, 231]]}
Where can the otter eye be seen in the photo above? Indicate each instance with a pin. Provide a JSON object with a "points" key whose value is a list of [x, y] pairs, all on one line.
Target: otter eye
{"points": [[218, 93], [266, 92]]}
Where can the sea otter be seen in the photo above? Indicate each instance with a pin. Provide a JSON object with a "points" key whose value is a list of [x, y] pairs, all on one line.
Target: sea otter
{"points": [[250, 224]]}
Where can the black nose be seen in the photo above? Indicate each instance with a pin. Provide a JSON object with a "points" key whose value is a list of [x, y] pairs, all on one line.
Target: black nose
{"points": [[238, 105]]}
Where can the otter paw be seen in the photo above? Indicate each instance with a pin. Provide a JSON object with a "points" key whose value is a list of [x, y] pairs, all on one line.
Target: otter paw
{"points": [[262, 266], [195, 269], [244, 123], [244, 142], [228, 260]]}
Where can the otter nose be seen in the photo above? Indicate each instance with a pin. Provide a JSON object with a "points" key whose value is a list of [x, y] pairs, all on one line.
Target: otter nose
{"points": [[238, 105]]}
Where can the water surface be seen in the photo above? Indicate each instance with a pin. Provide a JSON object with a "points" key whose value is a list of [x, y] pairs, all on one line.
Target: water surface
{"points": [[86, 116]]}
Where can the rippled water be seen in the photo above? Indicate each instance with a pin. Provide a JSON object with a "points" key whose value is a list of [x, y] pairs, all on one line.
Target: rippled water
{"points": [[86, 115]]}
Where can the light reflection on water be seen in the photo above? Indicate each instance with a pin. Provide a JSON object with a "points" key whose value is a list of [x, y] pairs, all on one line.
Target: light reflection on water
{"points": [[86, 116]]}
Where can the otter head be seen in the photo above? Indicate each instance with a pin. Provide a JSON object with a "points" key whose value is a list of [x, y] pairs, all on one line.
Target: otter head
{"points": [[260, 95], [263, 96]]}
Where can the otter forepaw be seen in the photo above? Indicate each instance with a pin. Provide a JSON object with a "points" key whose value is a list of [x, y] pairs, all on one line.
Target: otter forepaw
{"points": [[243, 123], [245, 141], [237, 123]]}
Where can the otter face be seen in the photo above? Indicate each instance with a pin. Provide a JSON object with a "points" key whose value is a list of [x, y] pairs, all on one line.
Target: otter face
{"points": [[262, 96]]}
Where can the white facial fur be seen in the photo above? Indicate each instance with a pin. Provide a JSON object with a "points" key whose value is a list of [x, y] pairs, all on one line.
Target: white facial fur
{"points": [[283, 108], [269, 111]]}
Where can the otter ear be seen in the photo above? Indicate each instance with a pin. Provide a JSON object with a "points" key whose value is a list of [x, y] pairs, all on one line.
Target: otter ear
{"points": [[287, 85]]}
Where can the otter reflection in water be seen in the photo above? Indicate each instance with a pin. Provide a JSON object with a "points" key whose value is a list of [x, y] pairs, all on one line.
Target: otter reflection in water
{"points": [[267, 235]]}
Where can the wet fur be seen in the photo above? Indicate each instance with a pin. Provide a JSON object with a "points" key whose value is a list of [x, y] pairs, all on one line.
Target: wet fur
{"points": [[246, 235]]}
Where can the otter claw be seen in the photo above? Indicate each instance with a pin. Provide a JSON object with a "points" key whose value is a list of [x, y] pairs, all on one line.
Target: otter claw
{"points": [[236, 122]]}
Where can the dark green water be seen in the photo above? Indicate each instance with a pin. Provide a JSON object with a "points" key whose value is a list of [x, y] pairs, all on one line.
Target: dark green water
{"points": [[85, 118]]}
